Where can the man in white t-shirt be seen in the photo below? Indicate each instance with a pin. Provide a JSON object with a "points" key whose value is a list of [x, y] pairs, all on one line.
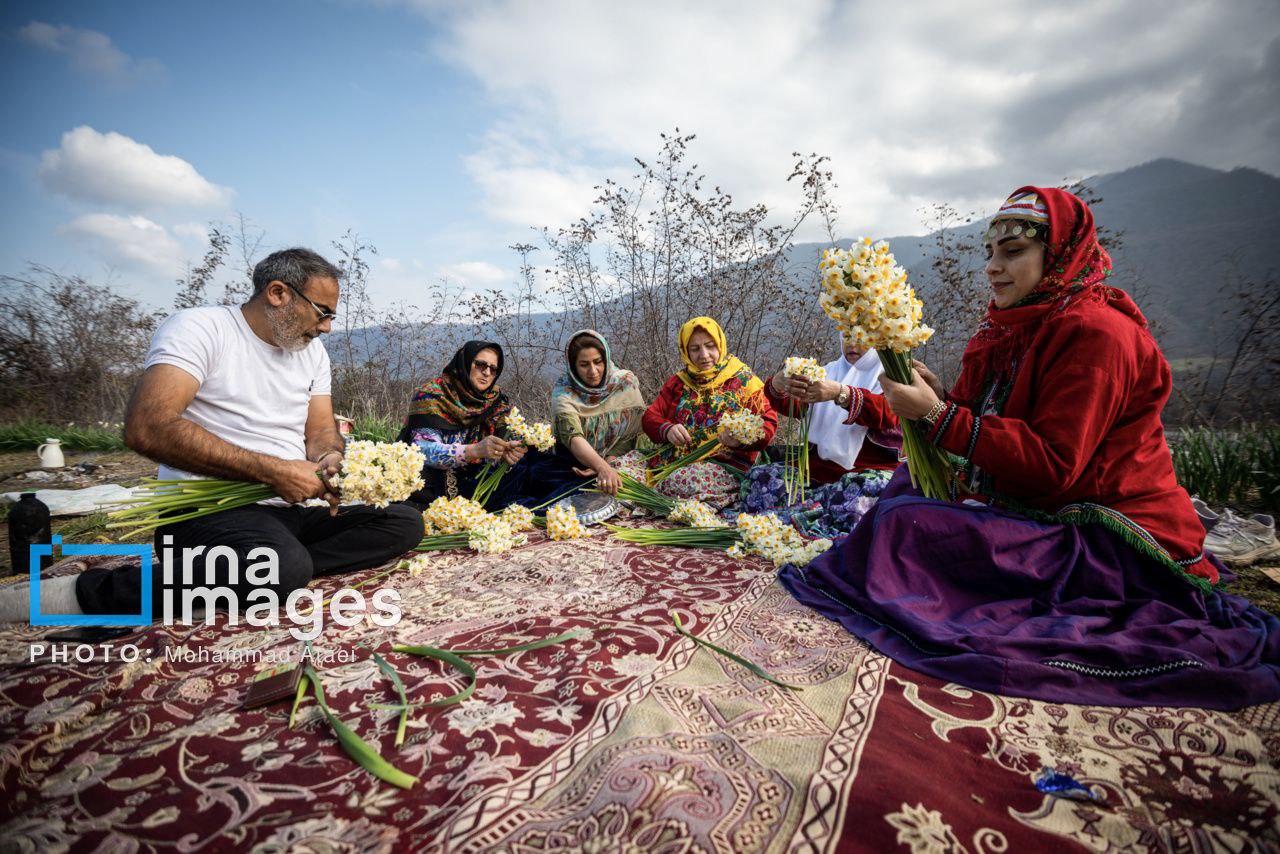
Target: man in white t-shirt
{"points": [[243, 392]]}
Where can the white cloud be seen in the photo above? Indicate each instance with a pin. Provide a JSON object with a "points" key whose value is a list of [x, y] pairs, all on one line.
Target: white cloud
{"points": [[914, 102], [391, 264], [476, 274], [90, 52], [196, 231], [133, 242], [524, 186], [113, 169]]}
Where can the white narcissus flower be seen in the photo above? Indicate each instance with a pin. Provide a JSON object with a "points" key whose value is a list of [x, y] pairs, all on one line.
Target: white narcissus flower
{"points": [[795, 366], [494, 536], [378, 473], [538, 435], [563, 524], [454, 515], [770, 538], [696, 514], [744, 425], [871, 294], [519, 517]]}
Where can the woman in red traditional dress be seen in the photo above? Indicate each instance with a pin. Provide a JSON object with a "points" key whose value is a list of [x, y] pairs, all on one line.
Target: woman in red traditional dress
{"points": [[1070, 565], [689, 407]]}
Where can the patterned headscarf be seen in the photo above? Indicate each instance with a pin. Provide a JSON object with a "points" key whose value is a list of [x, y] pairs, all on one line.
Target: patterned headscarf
{"points": [[1076, 267], [728, 367], [450, 402], [606, 413]]}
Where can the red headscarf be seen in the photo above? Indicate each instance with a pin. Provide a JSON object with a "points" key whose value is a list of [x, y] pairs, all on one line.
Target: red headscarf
{"points": [[1075, 269]]}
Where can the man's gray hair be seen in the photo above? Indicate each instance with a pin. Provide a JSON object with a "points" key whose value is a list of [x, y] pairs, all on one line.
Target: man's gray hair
{"points": [[294, 266]]}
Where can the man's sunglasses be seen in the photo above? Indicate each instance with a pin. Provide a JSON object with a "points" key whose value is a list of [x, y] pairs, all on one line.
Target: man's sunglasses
{"points": [[324, 312], [485, 367]]}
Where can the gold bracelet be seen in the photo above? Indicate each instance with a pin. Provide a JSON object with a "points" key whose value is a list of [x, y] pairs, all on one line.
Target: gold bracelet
{"points": [[932, 415]]}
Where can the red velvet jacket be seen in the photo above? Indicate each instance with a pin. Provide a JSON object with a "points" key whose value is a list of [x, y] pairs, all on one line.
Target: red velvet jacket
{"points": [[1082, 425], [662, 412], [866, 408]]}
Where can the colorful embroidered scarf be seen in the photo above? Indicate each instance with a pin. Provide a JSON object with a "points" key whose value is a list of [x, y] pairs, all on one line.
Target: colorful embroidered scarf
{"points": [[726, 387], [451, 403], [709, 381], [607, 415], [1076, 267]]}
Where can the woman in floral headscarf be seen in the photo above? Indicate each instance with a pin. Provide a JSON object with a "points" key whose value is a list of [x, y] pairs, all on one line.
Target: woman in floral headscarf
{"points": [[1073, 569], [688, 409], [455, 420], [597, 408]]}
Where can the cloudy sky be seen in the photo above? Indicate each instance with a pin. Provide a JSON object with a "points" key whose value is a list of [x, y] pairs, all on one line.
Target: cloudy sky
{"points": [[442, 132]]}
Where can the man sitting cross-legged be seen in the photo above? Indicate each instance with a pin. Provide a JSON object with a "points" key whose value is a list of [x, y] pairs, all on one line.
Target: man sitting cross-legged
{"points": [[243, 392]]}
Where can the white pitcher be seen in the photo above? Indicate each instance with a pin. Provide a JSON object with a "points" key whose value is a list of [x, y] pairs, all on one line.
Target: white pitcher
{"points": [[50, 454]]}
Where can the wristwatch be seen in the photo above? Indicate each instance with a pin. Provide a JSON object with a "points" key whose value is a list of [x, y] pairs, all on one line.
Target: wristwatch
{"points": [[842, 399]]}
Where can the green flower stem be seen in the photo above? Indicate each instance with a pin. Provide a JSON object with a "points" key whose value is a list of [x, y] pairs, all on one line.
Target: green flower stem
{"points": [[642, 495], [193, 498], [565, 494], [487, 483], [355, 746], [524, 647], [750, 665], [297, 698], [928, 465], [804, 453], [447, 657], [706, 449], [697, 538], [404, 700], [443, 542], [455, 658]]}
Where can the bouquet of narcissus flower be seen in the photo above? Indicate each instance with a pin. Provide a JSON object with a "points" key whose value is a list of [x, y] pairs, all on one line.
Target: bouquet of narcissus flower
{"points": [[743, 425], [455, 523], [695, 514], [378, 473], [375, 473], [865, 292], [795, 469], [537, 435], [770, 538], [563, 523]]}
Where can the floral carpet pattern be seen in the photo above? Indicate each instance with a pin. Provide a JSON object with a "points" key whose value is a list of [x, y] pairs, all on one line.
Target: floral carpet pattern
{"points": [[627, 737]]}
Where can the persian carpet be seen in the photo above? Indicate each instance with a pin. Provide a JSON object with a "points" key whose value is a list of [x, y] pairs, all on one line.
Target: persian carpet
{"points": [[628, 737]]}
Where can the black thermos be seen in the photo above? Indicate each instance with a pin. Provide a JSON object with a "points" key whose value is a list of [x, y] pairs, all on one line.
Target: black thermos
{"points": [[28, 525]]}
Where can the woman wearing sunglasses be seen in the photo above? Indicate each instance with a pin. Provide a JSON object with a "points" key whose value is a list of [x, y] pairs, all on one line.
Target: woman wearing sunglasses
{"points": [[456, 419]]}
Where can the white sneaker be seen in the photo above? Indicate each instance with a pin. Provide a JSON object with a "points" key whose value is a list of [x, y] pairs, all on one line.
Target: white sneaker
{"points": [[1242, 541], [1207, 517]]}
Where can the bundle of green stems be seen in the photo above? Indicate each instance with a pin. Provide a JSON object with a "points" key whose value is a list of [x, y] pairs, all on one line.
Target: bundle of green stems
{"points": [[795, 467], [166, 502], [709, 448], [642, 495], [928, 465], [691, 538]]}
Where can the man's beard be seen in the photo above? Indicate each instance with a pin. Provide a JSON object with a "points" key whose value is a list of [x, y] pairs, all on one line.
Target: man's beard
{"points": [[286, 329]]}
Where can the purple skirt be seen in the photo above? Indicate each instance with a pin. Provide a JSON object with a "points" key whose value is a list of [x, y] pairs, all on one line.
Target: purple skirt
{"points": [[995, 601]]}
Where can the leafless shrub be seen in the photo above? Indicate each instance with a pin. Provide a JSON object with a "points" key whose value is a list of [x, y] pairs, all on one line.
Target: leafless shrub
{"points": [[70, 350], [650, 255]]}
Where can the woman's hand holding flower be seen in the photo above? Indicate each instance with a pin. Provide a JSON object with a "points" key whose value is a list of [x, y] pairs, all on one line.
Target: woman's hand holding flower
{"points": [[678, 435], [726, 439], [930, 377], [909, 401]]}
